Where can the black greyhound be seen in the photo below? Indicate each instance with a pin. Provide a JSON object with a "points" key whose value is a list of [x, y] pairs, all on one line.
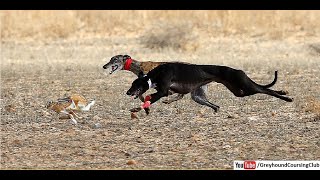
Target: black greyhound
{"points": [[185, 78]]}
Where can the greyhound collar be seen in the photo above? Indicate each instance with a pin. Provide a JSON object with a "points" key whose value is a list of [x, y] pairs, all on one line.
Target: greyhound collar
{"points": [[127, 65]]}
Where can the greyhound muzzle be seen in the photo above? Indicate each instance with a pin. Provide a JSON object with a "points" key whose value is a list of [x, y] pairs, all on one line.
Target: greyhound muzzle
{"points": [[114, 67], [134, 94]]}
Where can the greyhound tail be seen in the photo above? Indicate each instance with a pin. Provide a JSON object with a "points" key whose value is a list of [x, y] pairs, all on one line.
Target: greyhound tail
{"points": [[273, 82]]}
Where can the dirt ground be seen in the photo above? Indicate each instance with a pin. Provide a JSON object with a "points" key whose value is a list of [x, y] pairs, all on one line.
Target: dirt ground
{"points": [[182, 135]]}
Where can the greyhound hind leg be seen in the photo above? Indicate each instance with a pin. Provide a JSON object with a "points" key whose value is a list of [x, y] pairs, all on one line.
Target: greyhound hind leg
{"points": [[281, 92], [276, 94], [199, 97]]}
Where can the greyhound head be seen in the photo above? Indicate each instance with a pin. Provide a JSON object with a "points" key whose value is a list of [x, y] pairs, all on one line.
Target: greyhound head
{"points": [[116, 63], [139, 86]]}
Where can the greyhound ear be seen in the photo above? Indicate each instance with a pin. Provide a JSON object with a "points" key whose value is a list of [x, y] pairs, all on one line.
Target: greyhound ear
{"points": [[140, 75], [125, 57]]}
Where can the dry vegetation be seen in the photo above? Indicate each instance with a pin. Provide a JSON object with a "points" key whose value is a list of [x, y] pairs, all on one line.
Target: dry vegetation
{"points": [[163, 35], [62, 24], [48, 54], [313, 105]]}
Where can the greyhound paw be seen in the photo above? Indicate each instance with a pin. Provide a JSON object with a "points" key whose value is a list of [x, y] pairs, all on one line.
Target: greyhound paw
{"points": [[135, 109], [147, 110], [283, 92]]}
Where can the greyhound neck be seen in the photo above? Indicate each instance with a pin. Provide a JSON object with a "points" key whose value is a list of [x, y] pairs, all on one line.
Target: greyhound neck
{"points": [[135, 67]]}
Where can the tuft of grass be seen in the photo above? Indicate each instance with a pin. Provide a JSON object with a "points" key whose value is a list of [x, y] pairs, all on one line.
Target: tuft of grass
{"points": [[313, 105], [178, 36], [315, 49]]}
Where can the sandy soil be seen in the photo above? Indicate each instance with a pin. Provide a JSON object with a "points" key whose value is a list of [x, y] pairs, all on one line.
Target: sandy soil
{"points": [[182, 135]]}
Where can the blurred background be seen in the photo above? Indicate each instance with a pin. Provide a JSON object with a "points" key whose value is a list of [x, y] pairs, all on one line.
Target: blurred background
{"points": [[42, 25], [187, 35]]}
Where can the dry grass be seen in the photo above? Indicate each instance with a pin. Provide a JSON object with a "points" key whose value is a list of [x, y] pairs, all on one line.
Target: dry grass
{"points": [[173, 36], [38, 24], [315, 49], [313, 106], [62, 24]]}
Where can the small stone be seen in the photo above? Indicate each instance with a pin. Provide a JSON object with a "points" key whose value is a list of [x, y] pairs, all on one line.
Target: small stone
{"points": [[73, 121], [46, 114], [70, 131], [16, 142], [65, 116], [103, 133], [131, 162], [96, 118], [108, 117], [134, 115], [96, 126], [252, 118], [200, 119], [202, 112], [230, 116], [10, 108], [149, 151], [226, 147]]}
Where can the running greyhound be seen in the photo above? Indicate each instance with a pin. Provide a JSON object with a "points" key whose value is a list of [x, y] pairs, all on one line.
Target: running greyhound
{"points": [[185, 78]]}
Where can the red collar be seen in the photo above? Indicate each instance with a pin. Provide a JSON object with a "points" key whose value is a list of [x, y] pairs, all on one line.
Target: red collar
{"points": [[127, 65]]}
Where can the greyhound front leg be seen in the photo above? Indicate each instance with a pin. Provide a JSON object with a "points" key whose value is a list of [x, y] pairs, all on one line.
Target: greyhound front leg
{"points": [[199, 97], [141, 98], [147, 110], [150, 99]]}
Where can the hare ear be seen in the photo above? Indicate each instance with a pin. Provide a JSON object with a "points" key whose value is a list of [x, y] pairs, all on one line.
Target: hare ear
{"points": [[140, 75]]}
